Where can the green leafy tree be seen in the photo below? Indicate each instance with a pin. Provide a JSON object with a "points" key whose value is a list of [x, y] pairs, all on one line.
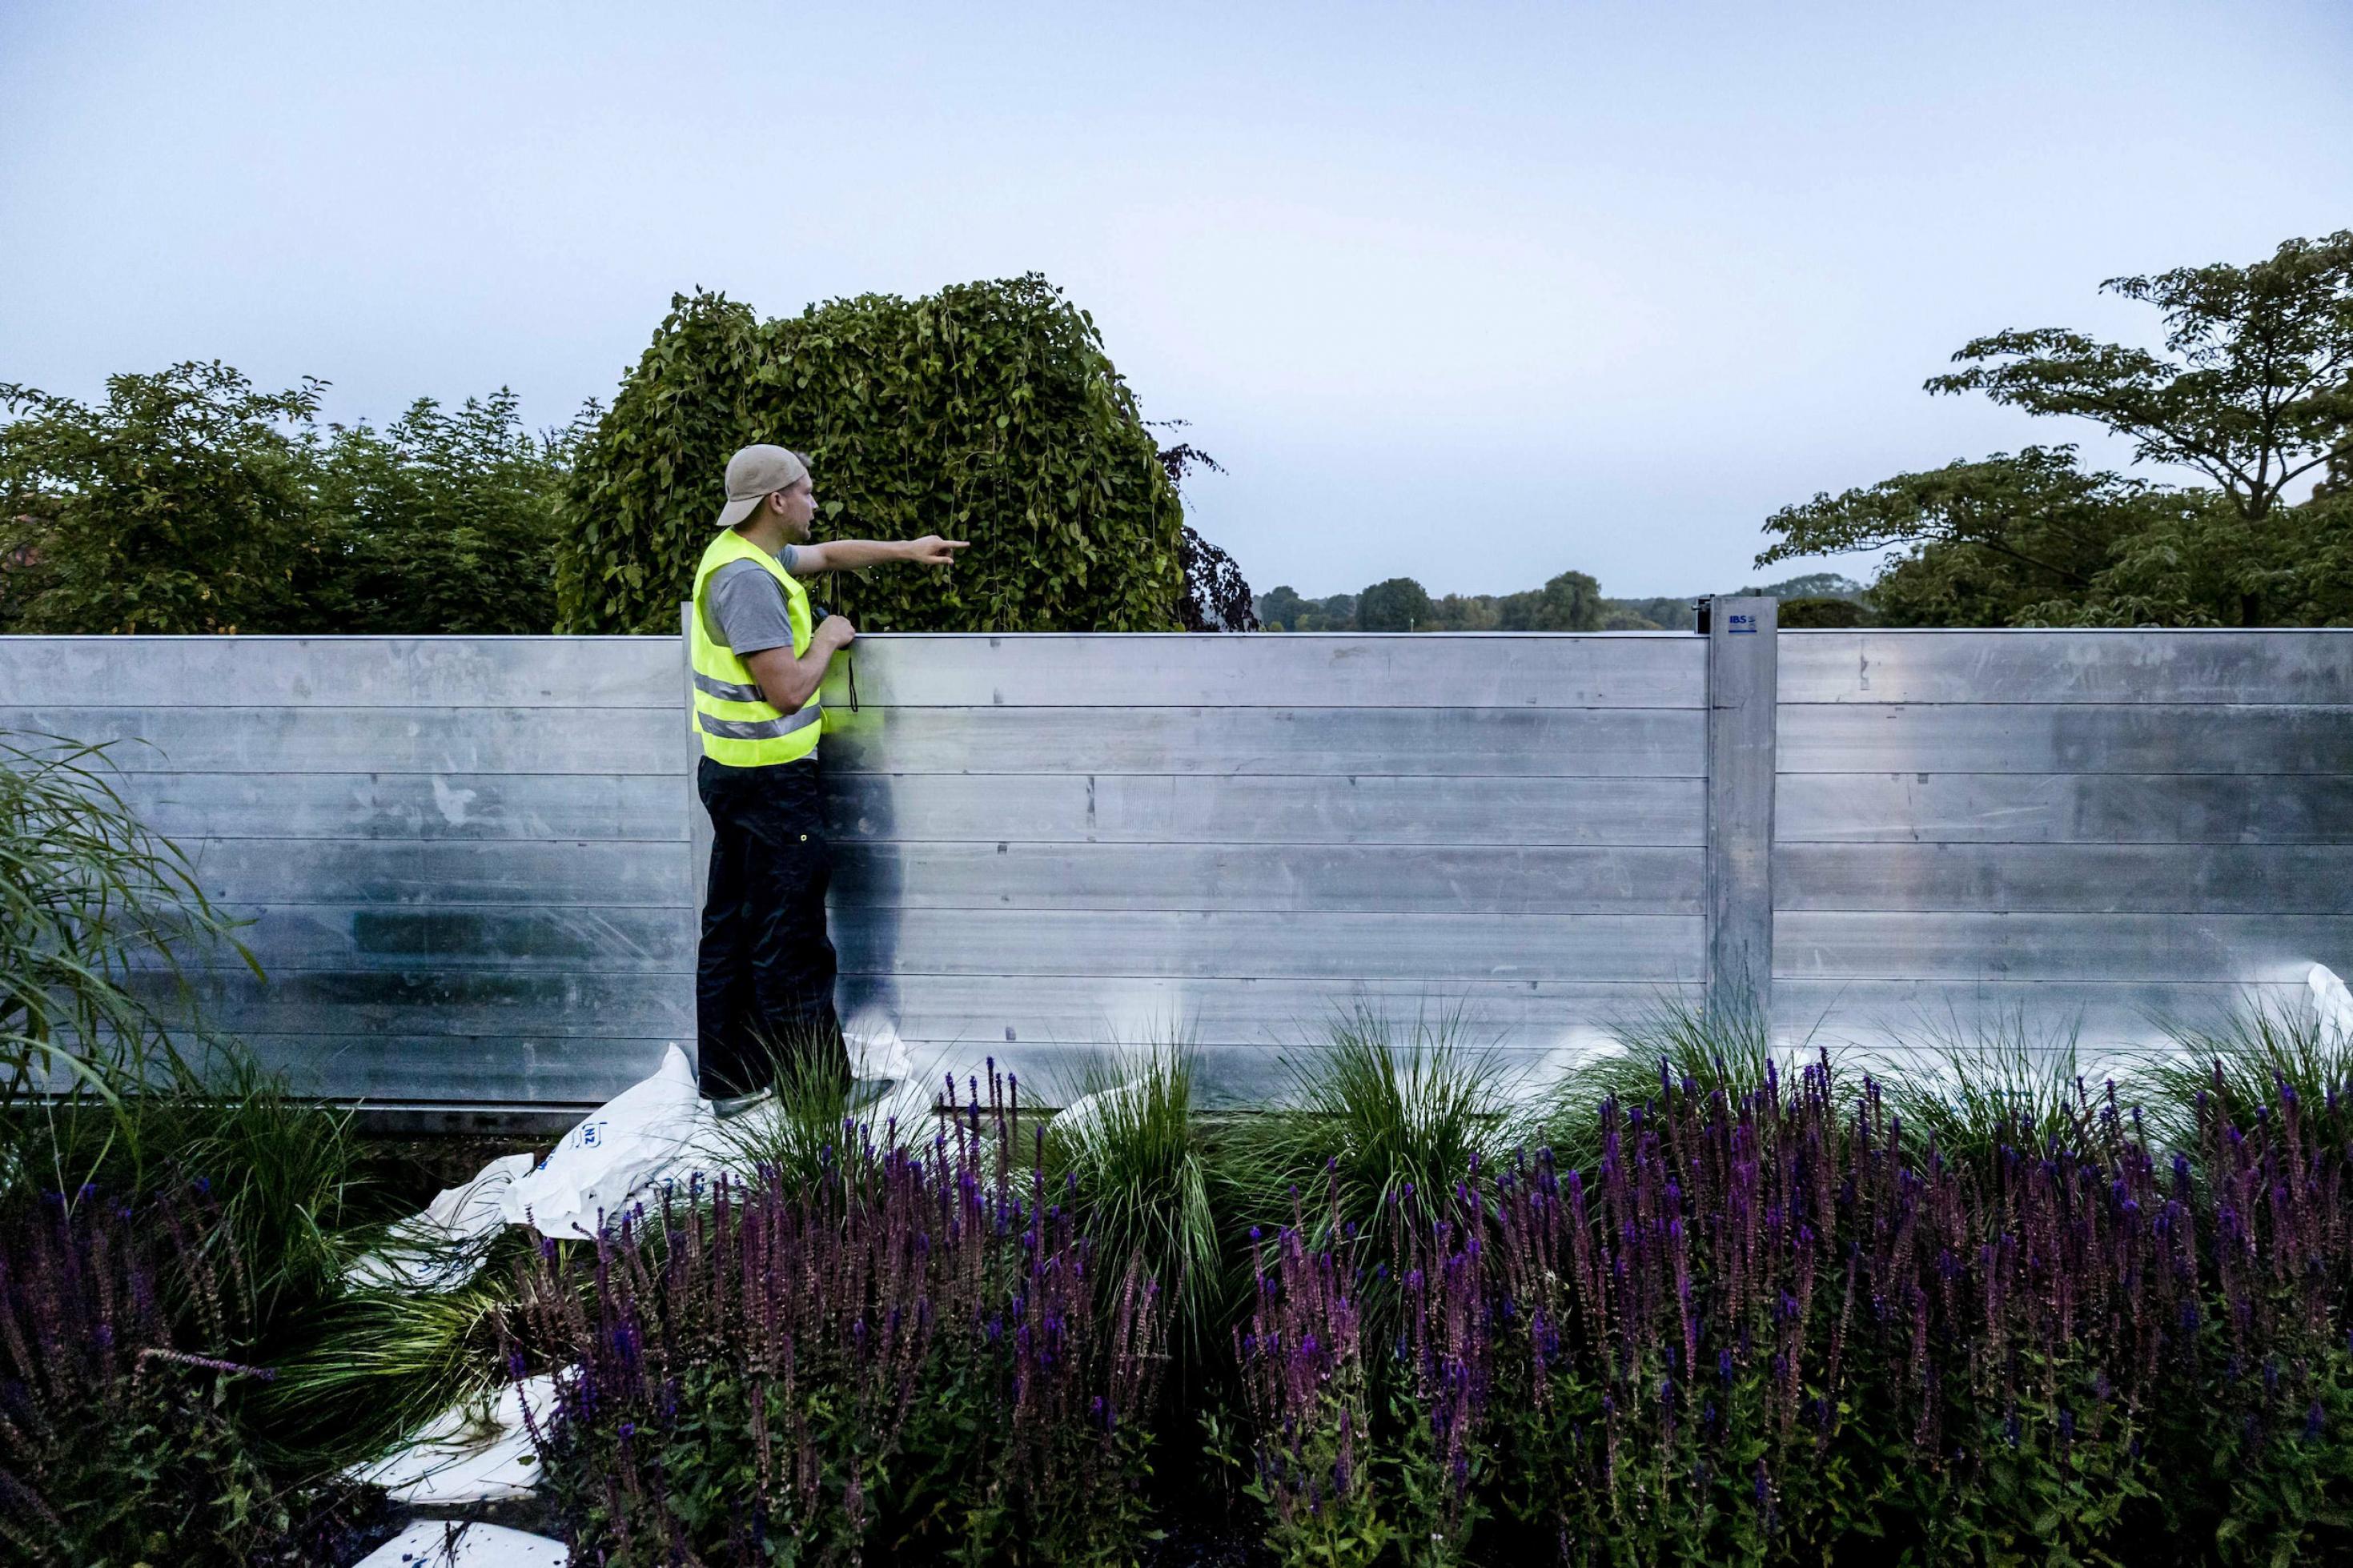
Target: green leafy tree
{"points": [[1986, 541], [986, 411], [1279, 608], [2254, 390], [180, 504], [1465, 613], [445, 522], [1393, 605], [1568, 603]]}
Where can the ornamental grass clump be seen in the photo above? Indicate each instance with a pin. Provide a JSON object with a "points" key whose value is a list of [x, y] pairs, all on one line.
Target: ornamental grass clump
{"points": [[906, 1356], [1132, 1144]]}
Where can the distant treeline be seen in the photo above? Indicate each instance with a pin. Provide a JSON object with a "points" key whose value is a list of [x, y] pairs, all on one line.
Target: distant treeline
{"points": [[1572, 602]]}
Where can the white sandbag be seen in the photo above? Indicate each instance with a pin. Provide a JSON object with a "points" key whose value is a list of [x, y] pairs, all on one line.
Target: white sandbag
{"points": [[468, 1455], [1082, 1118], [451, 1544], [442, 1247], [611, 1155], [2332, 1003]]}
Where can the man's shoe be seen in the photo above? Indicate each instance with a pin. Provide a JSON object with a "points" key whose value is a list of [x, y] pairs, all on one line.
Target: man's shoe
{"points": [[726, 1108]]}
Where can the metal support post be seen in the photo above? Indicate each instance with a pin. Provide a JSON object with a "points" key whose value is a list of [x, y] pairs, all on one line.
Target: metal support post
{"points": [[1741, 693]]}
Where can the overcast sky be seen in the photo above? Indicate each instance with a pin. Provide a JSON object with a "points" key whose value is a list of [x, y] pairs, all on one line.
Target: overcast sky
{"points": [[1476, 293]]}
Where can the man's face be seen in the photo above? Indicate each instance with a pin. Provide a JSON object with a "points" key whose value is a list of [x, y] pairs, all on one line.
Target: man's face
{"points": [[797, 508]]}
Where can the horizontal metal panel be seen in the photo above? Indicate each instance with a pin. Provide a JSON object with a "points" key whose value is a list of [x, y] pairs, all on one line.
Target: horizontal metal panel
{"points": [[2166, 666], [1609, 742], [1927, 1018], [374, 739], [1333, 945], [2272, 949], [497, 1005], [581, 1071], [459, 806], [1304, 878], [988, 1012], [2065, 808], [1115, 808], [613, 875], [2044, 739], [520, 939], [342, 672], [1422, 670], [2202, 878]]}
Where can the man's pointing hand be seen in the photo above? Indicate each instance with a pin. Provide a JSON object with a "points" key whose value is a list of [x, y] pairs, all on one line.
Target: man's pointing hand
{"points": [[932, 551]]}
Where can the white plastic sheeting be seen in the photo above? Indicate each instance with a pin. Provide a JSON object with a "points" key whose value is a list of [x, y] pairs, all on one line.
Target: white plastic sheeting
{"points": [[443, 1247], [468, 1455], [613, 1152], [2332, 1003], [436, 1543]]}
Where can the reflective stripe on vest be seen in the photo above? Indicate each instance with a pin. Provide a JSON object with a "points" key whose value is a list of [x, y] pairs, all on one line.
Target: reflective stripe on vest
{"points": [[738, 726]]}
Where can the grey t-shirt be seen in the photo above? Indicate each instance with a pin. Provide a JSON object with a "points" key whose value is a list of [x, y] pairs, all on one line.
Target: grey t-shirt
{"points": [[747, 605]]}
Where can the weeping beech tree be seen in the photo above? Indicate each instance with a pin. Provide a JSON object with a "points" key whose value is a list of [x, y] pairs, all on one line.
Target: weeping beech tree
{"points": [[987, 411]]}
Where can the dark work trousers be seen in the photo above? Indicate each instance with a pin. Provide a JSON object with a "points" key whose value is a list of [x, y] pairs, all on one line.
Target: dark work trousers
{"points": [[763, 979]]}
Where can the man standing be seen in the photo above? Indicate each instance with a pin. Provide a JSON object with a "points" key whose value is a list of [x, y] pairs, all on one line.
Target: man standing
{"points": [[764, 982]]}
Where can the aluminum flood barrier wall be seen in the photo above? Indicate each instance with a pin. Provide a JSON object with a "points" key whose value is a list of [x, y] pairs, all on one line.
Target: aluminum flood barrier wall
{"points": [[472, 866], [1053, 847], [2113, 832], [465, 858]]}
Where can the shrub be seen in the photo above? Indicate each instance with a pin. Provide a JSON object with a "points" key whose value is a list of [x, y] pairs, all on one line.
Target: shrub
{"points": [[986, 412], [1774, 1324], [120, 1437], [908, 1354], [179, 505], [444, 522], [108, 1077], [1309, 1399]]}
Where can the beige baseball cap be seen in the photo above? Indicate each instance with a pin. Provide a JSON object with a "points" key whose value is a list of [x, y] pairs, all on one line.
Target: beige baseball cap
{"points": [[754, 474]]}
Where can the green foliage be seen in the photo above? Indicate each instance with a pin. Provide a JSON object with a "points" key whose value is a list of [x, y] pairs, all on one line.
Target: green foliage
{"points": [[2241, 1062], [180, 504], [1394, 604], [1570, 602], [986, 411], [2005, 1086], [1142, 1180], [359, 1371], [1394, 1123], [190, 503], [92, 910], [122, 1431], [1823, 614], [1989, 542], [445, 522], [1280, 609], [2255, 390], [1678, 1046]]}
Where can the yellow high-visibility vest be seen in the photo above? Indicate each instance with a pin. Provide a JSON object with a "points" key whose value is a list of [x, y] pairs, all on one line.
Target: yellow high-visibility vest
{"points": [[738, 725]]}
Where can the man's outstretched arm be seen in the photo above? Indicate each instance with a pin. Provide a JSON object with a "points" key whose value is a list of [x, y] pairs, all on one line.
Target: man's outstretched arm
{"points": [[849, 555]]}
